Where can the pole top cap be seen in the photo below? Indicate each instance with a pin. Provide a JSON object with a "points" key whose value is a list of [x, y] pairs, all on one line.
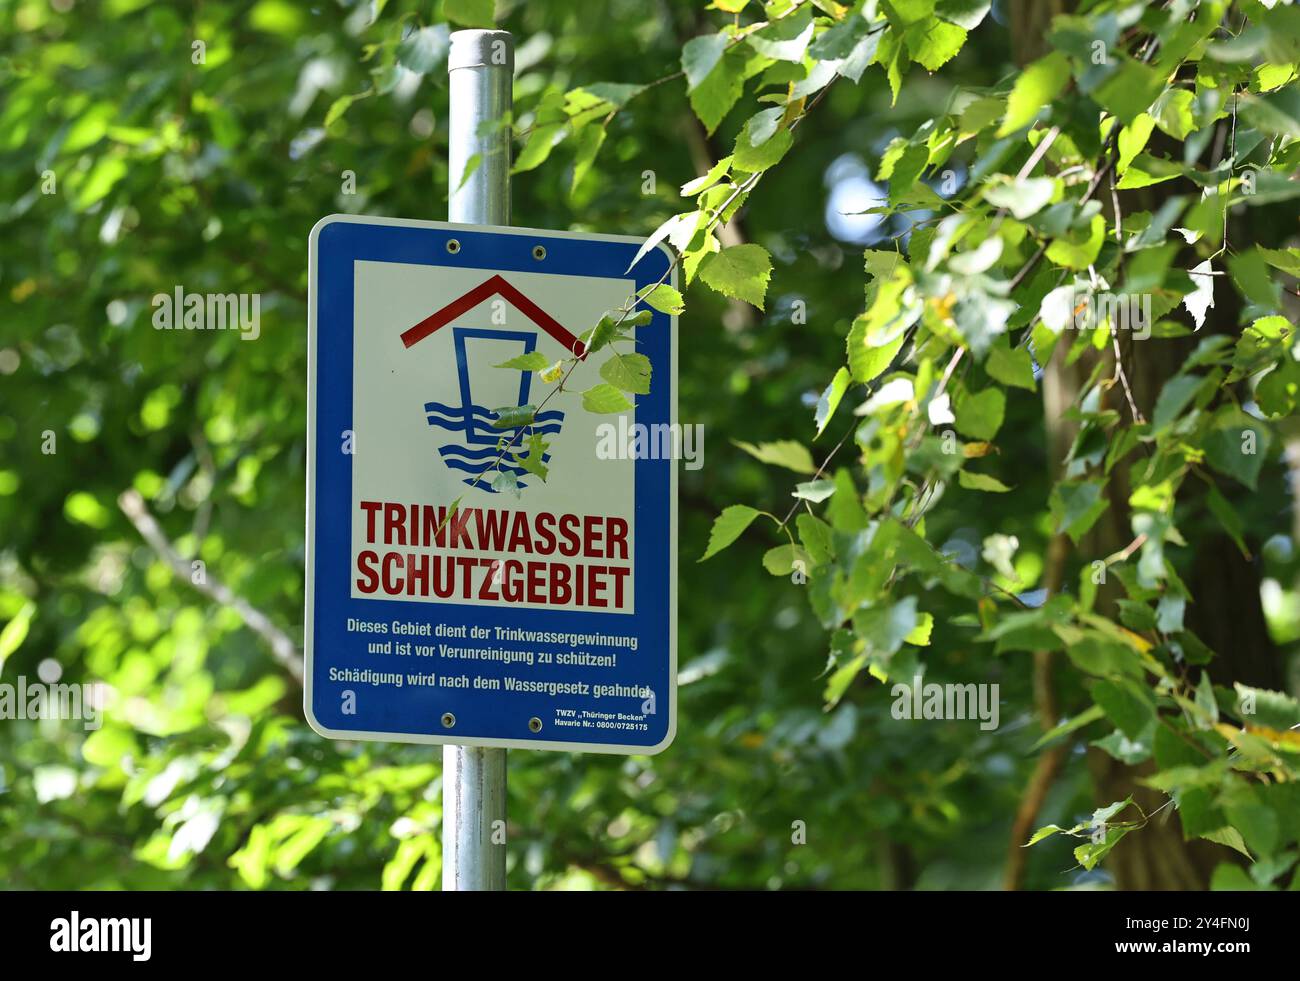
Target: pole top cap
{"points": [[481, 49]]}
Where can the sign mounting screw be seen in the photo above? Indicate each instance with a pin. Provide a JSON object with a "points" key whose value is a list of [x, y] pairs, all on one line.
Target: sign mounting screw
{"points": [[448, 720], [453, 246], [535, 724]]}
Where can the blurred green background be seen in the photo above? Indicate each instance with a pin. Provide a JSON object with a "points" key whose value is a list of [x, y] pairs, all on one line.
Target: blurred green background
{"points": [[168, 171]]}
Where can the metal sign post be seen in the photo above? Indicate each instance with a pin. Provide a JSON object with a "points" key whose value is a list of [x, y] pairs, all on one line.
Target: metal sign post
{"points": [[474, 582], [481, 68]]}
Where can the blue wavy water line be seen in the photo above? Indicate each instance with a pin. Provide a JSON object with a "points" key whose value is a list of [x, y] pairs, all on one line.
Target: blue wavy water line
{"points": [[462, 427], [479, 411], [480, 469], [485, 453]]}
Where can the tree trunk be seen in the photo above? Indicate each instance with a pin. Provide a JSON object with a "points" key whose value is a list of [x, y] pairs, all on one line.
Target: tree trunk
{"points": [[1225, 611]]}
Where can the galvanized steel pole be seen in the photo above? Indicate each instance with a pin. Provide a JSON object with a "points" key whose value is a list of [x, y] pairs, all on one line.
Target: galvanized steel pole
{"points": [[481, 68]]}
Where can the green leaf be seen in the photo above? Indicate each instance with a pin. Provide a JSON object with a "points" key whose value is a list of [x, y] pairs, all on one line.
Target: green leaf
{"points": [[728, 526], [1130, 90], [409, 852], [816, 536], [424, 49], [630, 372], [1259, 706], [1132, 139], [301, 843], [505, 480], [891, 55], [910, 11], [1036, 88], [544, 138], [1079, 249], [532, 460], [830, 399], [839, 40], [607, 330], [532, 361], [785, 559], [980, 415], [886, 628], [1011, 366], [707, 180], [105, 747], [1277, 113], [964, 13], [903, 171], [1175, 396], [590, 140], [1173, 112], [1229, 519], [786, 39], [514, 416], [1257, 824], [762, 156], [863, 53], [1237, 444], [782, 453], [740, 271], [1205, 699], [815, 491], [1086, 717], [1147, 170], [471, 13], [1263, 345], [1124, 705], [977, 116], [103, 177], [1044, 832], [838, 683], [713, 97], [1228, 877], [15, 631], [665, 299], [605, 399], [868, 360], [1253, 278], [700, 55], [981, 482], [1128, 751], [920, 635], [1229, 838], [1024, 197], [933, 42], [1169, 614], [1076, 506], [1088, 855]]}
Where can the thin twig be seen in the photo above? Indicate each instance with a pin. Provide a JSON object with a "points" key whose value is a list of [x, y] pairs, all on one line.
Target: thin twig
{"points": [[283, 649], [1123, 378], [715, 217]]}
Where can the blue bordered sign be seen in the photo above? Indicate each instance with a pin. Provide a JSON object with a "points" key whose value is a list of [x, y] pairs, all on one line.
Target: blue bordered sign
{"points": [[446, 603]]}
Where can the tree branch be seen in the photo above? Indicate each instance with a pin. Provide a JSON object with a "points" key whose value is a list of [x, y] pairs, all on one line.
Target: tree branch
{"points": [[283, 649]]}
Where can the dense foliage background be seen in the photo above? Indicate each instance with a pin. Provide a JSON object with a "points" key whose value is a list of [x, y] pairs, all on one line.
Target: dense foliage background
{"points": [[1133, 593]]}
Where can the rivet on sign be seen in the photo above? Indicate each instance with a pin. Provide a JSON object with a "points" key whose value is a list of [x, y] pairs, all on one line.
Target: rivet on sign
{"points": [[535, 724], [453, 246], [448, 720], [539, 252]]}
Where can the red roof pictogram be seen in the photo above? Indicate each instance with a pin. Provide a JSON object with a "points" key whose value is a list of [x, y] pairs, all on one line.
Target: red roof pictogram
{"points": [[492, 287]]}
